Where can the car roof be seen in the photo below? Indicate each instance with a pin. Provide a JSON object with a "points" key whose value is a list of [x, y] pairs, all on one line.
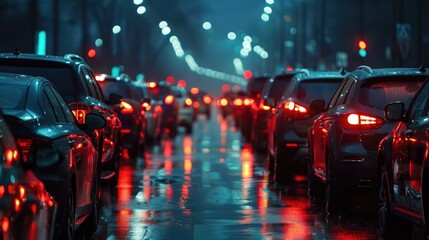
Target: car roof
{"points": [[20, 79], [68, 59], [364, 72]]}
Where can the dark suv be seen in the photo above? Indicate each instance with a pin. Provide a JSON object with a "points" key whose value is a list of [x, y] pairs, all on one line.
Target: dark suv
{"points": [[344, 139], [403, 168], [75, 81], [291, 118]]}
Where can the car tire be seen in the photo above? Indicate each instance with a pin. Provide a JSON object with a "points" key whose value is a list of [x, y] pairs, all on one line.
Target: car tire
{"points": [[390, 226]]}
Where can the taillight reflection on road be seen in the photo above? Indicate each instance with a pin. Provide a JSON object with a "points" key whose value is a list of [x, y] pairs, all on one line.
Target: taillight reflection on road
{"points": [[125, 184], [296, 218], [187, 165], [187, 145]]}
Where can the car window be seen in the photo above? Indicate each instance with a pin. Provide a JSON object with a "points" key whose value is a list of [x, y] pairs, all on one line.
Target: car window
{"points": [[279, 85], [419, 107], [56, 106], [69, 117], [48, 109], [94, 82], [341, 94], [377, 92], [61, 76], [308, 91], [13, 97]]}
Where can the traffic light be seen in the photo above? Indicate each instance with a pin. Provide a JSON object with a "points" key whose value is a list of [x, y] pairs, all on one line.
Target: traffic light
{"points": [[247, 74], [362, 48], [92, 53]]}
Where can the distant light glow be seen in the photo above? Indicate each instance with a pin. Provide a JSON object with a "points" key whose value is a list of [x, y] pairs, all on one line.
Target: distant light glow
{"points": [[292, 31], [99, 42], [248, 39], [269, 1], [41, 43], [138, 2], [166, 31], [207, 25], [244, 52], [116, 29], [268, 10], [162, 24], [265, 17], [141, 9], [232, 36]]}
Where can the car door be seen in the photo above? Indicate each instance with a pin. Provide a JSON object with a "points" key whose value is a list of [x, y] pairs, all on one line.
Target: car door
{"points": [[414, 141], [78, 145], [322, 125]]}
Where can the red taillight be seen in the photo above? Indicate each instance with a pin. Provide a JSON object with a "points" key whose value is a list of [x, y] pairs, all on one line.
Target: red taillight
{"points": [[169, 99], [151, 84], [100, 78], [238, 102], [295, 111], [194, 90], [247, 102], [262, 106], [223, 102], [79, 111], [188, 102], [207, 99], [196, 104], [126, 108], [361, 121], [25, 145]]}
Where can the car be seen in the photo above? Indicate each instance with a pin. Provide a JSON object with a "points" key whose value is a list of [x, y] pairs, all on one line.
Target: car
{"points": [[153, 111], [241, 105], [344, 139], [162, 92], [402, 167], [253, 90], [186, 108], [130, 112], [273, 89], [290, 119], [75, 81], [225, 103], [28, 206], [201, 101], [55, 148]]}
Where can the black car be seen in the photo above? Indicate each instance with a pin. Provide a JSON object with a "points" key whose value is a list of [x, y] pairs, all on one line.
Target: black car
{"points": [[75, 81], [344, 139], [201, 101], [130, 111], [273, 89], [290, 119], [162, 92], [402, 167], [55, 148], [28, 210]]}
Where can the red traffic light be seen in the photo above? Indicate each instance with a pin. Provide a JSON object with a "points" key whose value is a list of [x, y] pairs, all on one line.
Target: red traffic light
{"points": [[92, 53], [362, 44]]}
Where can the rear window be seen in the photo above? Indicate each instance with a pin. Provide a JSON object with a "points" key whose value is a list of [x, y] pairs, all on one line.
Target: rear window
{"points": [[278, 86], [62, 77], [13, 97], [115, 87], [256, 86], [324, 89], [377, 92]]}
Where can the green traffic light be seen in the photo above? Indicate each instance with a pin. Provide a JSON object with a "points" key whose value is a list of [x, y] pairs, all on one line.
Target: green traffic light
{"points": [[362, 53]]}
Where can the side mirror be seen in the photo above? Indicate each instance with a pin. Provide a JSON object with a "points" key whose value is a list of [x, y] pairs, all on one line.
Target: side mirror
{"points": [[94, 121], [114, 99], [270, 102], [394, 111], [317, 106]]}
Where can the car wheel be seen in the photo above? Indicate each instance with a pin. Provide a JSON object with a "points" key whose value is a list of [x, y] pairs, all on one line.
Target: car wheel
{"points": [[390, 226]]}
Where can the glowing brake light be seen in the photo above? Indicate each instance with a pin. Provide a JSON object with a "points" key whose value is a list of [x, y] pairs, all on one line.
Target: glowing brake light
{"points": [[151, 84], [295, 111], [11, 156], [207, 99], [126, 108], [188, 102], [194, 90], [169, 99], [223, 102], [361, 121], [247, 102], [100, 78], [263, 106], [238, 102]]}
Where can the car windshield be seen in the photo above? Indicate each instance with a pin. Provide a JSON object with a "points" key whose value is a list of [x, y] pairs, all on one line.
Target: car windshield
{"points": [[120, 88], [60, 76], [377, 92], [257, 86], [320, 89], [13, 97]]}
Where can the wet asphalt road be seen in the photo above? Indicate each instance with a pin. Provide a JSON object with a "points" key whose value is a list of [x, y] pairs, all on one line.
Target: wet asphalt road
{"points": [[208, 185]]}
